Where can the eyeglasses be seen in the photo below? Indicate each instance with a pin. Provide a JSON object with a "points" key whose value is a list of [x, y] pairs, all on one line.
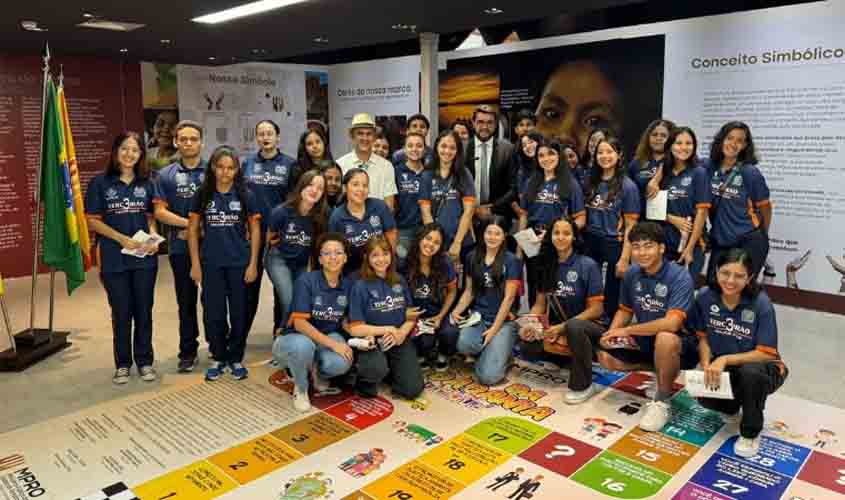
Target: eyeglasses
{"points": [[726, 275], [333, 254]]}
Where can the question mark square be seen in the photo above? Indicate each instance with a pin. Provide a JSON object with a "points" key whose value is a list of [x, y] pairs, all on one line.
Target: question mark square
{"points": [[560, 453]]}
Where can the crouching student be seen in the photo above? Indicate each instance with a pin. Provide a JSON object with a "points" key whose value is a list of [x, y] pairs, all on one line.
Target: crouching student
{"points": [[314, 344], [737, 330], [380, 313], [493, 278], [657, 293], [570, 292]]}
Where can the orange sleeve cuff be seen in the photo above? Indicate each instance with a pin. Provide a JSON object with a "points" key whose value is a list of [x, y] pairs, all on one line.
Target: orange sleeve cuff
{"points": [[254, 217], [355, 323], [704, 205], [193, 216], [768, 350], [595, 298], [626, 308], [701, 334], [391, 232], [633, 217], [452, 284], [93, 216], [677, 313], [580, 214], [469, 199], [762, 203], [424, 203], [513, 282], [159, 201]]}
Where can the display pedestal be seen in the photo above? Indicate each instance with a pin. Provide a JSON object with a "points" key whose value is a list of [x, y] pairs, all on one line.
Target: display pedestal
{"points": [[32, 347]]}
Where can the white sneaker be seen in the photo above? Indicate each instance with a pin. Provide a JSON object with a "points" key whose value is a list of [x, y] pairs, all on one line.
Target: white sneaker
{"points": [[655, 416], [148, 374], [747, 447], [121, 376], [578, 397], [301, 401]]}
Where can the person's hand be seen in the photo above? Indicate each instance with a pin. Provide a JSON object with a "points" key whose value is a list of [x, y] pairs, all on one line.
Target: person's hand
{"points": [[607, 338], [435, 321], [342, 349], [150, 248], [713, 373], [651, 189], [489, 334], [273, 239], [251, 273], [483, 210], [389, 340], [196, 275], [182, 235], [527, 334], [455, 251], [621, 267], [129, 244], [456, 318], [683, 224], [686, 257], [552, 333], [541, 235], [412, 313]]}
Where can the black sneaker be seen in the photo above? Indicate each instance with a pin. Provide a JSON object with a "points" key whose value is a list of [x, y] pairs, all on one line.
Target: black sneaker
{"points": [[187, 365], [442, 363]]}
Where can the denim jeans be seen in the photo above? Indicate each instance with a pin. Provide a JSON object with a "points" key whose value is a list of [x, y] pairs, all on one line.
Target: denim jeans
{"points": [[283, 276], [491, 365], [300, 353]]}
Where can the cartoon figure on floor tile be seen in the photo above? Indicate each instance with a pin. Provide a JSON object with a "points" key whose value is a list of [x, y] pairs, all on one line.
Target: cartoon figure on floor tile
{"points": [[781, 428], [825, 437], [311, 486], [363, 463], [505, 479], [608, 429], [527, 488]]}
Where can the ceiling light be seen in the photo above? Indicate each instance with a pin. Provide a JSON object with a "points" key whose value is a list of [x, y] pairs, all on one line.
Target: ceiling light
{"points": [[244, 10], [32, 26], [493, 11], [405, 27], [105, 24], [165, 41], [212, 58], [321, 39], [124, 50], [87, 15]]}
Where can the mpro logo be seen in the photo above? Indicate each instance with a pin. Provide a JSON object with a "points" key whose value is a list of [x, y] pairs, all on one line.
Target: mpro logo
{"points": [[27, 483], [11, 462]]}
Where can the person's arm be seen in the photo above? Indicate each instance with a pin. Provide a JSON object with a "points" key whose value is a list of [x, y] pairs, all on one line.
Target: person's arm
{"points": [[303, 326], [98, 226], [194, 248], [425, 212], [424, 199], [625, 259], [511, 287], [766, 215], [759, 192], [251, 273], [390, 201], [463, 226], [448, 300], [163, 214], [631, 213], [464, 302], [697, 231], [653, 186], [593, 311]]}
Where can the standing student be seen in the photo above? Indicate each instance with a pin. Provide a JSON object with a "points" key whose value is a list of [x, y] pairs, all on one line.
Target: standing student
{"points": [[314, 343], [409, 175], [463, 128], [417, 124], [738, 333], [489, 161], [293, 227], [589, 154], [382, 179], [361, 218], [741, 213], [551, 193], [570, 155], [613, 207], [570, 294], [268, 176], [312, 154], [381, 146], [493, 279], [649, 156], [434, 288], [525, 163], [447, 196], [380, 311], [174, 192], [523, 123], [334, 185], [119, 203], [226, 260]]}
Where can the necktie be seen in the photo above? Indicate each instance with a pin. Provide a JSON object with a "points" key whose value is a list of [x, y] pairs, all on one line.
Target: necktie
{"points": [[485, 181]]}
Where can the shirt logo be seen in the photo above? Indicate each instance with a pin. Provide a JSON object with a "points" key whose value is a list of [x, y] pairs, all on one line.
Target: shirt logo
{"points": [[714, 309], [140, 192], [686, 181], [572, 276], [111, 193], [661, 290], [423, 291], [257, 168], [748, 316], [375, 221], [374, 293], [397, 288], [291, 227], [318, 301], [281, 169], [235, 206], [488, 280], [341, 300], [737, 181], [349, 229], [181, 179], [638, 286], [211, 206]]}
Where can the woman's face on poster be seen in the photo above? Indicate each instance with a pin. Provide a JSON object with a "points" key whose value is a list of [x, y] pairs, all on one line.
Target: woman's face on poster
{"points": [[577, 98]]}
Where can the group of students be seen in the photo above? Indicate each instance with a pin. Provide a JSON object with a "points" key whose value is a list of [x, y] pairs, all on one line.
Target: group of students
{"points": [[382, 267]]}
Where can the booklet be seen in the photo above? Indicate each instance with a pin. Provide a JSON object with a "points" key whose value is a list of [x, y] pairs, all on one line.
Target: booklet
{"points": [[696, 388], [143, 238], [655, 208], [529, 242]]}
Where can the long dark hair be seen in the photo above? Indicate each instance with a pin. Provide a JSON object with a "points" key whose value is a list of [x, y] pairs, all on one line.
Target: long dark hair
{"points": [[304, 162], [587, 156], [737, 256], [319, 212], [476, 265], [614, 185], [747, 155], [439, 266], [669, 164], [209, 184], [562, 173], [113, 166], [368, 273], [644, 152], [548, 253], [457, 171], [527, 164]]}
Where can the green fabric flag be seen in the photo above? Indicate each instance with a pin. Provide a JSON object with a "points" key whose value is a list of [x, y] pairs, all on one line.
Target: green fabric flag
{"points": [[61, 249]]}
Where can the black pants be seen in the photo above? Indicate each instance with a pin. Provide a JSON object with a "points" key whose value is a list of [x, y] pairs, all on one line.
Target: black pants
{"points": [[253, 295], [186, 298], [751, 384], [445, 338], [534, 273], [756, 243], [583, 339], [399, 361], [605, 250], [224, 295], [130, 295]]}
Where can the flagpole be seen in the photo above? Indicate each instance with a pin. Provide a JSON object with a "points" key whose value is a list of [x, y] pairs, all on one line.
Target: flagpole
{"points": [[36, 235], [53, 271]]}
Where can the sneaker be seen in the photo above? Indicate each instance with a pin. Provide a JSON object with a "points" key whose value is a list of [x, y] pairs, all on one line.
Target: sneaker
{"points": [[215, 371], [729, 419], [656, 415], [578, 397], [187, 365], [121, 376], [301, 401], [469, 360], [148, 374], [424, 364], [442, 363], [747, 447], [238, 371]]}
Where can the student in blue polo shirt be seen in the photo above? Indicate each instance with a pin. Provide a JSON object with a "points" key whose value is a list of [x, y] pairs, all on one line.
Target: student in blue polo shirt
{"points": [[493, 278], [174, 193], [269, 175], [408, 180], [292, 229], [417, 124], [434, 288], [649, 156], [658, 294], [447, 196], [380, 311], [314, 343], [361, 218], [570, 155], [741, 213], [737, 330], [573, 300], [613, 207], [119, 203], [551, 193], [226, 260]]}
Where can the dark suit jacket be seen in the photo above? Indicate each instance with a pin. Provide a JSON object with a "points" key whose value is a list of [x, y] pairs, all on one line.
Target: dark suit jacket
{"points": [[502, 177]]}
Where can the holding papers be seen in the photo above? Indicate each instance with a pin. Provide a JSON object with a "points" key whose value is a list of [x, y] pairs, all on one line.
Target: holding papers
{"points": [[655, 208], [146, 240], [696, 387], [529, 242]]}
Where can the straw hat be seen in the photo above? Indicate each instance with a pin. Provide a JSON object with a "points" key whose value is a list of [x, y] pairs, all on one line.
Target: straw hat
{"points": [[362, 120]]}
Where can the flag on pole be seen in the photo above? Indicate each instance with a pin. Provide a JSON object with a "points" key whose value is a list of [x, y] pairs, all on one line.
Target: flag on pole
{"points": [[61, 231], [75, 185]]}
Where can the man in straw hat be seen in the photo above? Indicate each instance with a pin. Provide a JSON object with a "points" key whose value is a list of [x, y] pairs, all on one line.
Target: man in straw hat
{"points": [[382, 178]]}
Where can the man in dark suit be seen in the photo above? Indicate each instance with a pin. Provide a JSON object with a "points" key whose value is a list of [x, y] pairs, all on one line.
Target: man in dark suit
{"points": [[527, 488], [488, 159]]}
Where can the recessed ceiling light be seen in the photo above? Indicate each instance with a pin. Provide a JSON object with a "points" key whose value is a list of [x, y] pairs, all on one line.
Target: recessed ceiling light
{"points": [[405, 27], [212, 58], [87, 15], [165, 41], [124, 50], [105, 24], [493, 11], [244, 10], [32, 26], [321, 39]]}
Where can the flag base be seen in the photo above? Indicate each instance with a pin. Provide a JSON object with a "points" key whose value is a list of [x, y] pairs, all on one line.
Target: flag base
{"points": [[29, 354], [32, 337]]}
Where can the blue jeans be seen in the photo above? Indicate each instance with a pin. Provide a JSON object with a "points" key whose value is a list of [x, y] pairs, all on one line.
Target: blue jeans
{"points": [[283, 275], [492, 364], [300, 353], [224, 303], [406, 239], [130, 295]]}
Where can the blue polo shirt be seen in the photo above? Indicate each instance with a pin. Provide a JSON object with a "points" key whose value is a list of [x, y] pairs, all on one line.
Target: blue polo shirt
{"points": [[642, 173], [578, 283], [399, 156], [408, 183], [269, 180], [735, 204], [607, 219], [323, 306], [525, 168], [579, 173], [547, 206], [175, 188], [750, 326], [378, 220], [126, 208], [423, 293], [651, 297], [447, 203], [489, 299], [296, 232], [378, 304], [686, 193], [225, 242]]}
